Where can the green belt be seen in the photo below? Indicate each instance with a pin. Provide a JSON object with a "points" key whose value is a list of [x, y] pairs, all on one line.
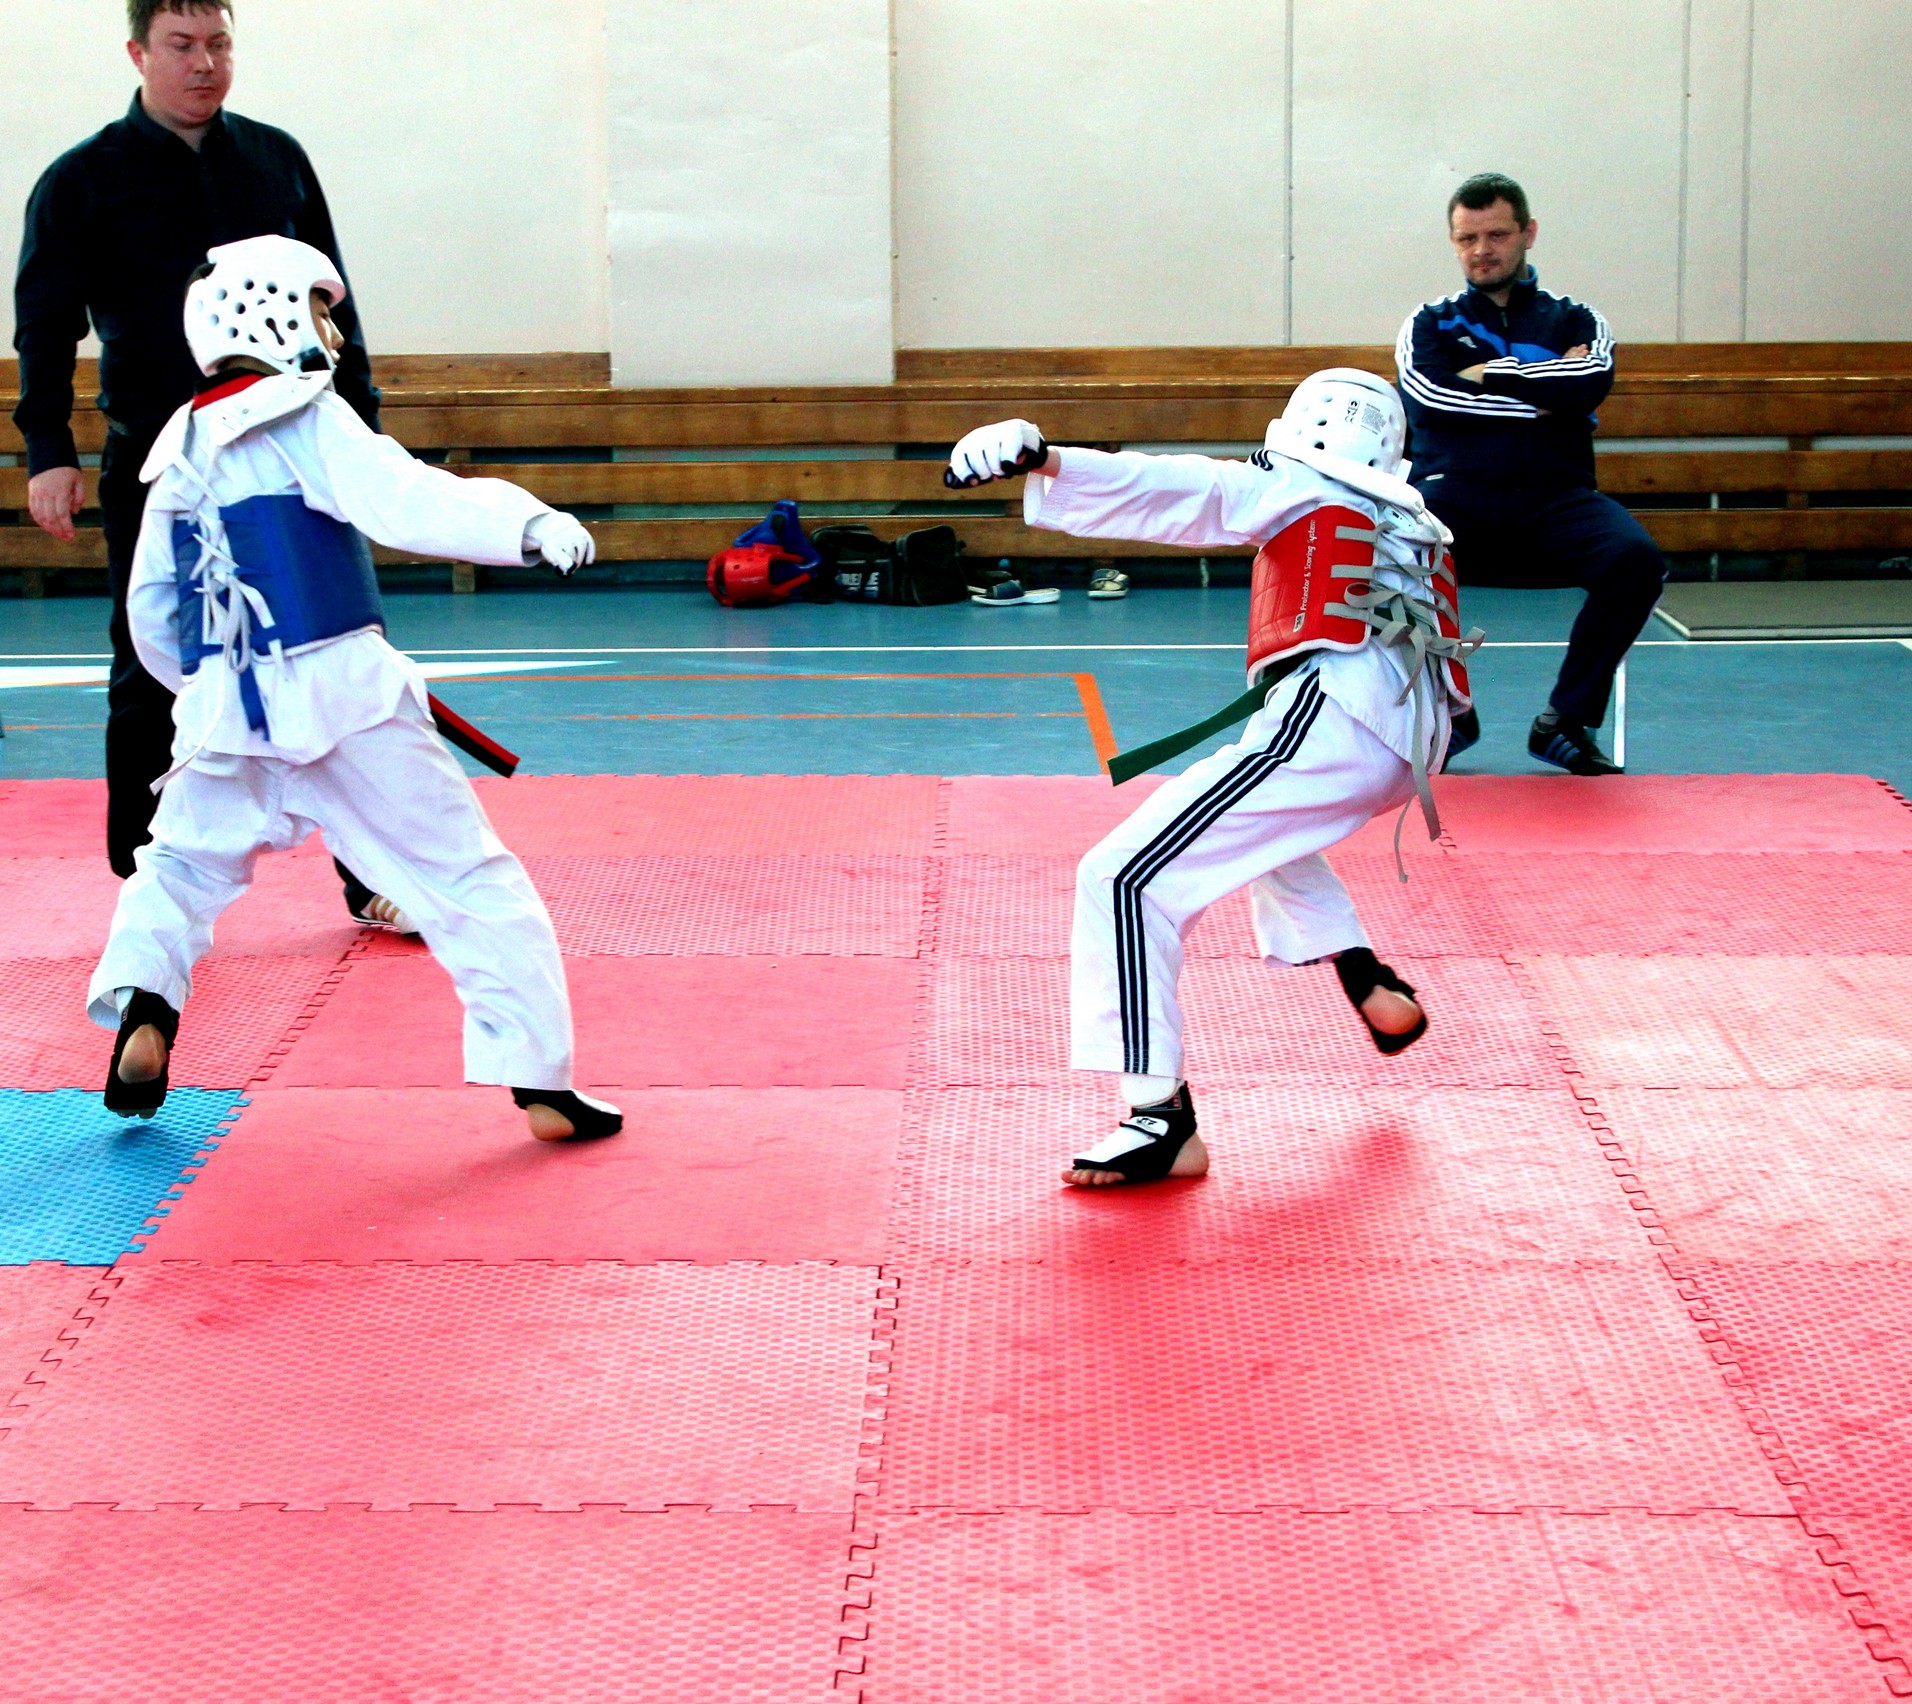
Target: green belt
{"points": [[1130, 764]]}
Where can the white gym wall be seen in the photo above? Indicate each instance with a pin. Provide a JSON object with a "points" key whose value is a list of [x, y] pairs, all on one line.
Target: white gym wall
{"points": [[734, 191], [750, 192], [462, 149]]}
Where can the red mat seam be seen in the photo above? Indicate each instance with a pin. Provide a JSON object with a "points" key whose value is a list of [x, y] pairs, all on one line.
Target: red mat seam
{"points": [[1881, 1642], [276, 1054], [20, 1398], [859, 1584]]}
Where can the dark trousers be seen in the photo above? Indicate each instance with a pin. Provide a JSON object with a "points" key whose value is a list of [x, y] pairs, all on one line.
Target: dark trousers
{"points": [[139, 711], [1554, 539]]}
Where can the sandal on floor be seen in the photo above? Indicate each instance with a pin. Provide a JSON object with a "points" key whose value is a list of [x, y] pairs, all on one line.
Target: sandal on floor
{"points": [[1361, 973], [141, 1100], [1152, 1143], [1108, 583], [589, 1119], [1000, 592]]}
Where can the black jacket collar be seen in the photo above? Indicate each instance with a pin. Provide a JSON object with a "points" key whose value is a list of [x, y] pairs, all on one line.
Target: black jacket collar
{"points": [[1521, 296], [144, 125]]}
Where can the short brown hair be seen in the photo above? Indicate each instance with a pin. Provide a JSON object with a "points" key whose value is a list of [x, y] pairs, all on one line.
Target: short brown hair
{"points": [[141, 13], [1483, 189]]}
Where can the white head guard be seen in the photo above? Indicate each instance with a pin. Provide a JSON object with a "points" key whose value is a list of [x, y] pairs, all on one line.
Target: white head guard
{"points": [[1345, 413], [256, 301], [1350, 425]]}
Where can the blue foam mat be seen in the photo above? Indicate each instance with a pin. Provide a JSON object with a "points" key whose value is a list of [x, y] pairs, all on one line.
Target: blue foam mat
{"points": [[81, 1183]]}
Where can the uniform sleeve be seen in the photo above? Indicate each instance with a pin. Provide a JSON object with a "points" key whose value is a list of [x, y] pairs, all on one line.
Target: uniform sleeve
{"points": [[1193, 502], [152, 595], [1430, 378], [374, 483], [49, 308], [1562, 386], [353, 380]]}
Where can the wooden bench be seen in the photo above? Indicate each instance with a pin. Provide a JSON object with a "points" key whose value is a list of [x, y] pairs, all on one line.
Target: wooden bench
{"points": [[513, 416]]}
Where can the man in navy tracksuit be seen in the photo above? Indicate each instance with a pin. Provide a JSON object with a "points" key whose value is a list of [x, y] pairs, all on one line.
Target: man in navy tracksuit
{"points": [[1501, 380]]}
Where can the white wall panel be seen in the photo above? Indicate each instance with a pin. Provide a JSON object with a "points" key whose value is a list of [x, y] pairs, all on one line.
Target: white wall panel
{"points": [[750, 192], [1396, 103], [1088, 172], [1719, 92], [461, 148], [1830, 227]]}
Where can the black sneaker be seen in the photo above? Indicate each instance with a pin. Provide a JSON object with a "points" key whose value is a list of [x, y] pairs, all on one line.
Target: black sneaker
{"points": [[1569, 746], [1465, 735]]}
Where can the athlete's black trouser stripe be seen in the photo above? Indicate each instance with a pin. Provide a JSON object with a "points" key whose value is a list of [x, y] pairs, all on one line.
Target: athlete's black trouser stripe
{"points": [[1131, 942]]}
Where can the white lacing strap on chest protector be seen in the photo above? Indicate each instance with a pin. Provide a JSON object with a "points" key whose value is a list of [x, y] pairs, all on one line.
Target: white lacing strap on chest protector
{"points": [[228, 606], [1411, 622]]}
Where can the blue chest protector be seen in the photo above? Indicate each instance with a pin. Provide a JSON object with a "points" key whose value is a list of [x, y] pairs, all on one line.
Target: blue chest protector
{"points": [[314, 574]]}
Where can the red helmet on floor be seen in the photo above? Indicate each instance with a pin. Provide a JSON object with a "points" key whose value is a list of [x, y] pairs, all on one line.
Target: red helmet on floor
{"points": [[750, 576]]}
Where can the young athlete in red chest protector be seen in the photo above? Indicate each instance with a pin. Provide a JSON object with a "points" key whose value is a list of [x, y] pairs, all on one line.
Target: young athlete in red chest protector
{"points": [[1355, 651]]}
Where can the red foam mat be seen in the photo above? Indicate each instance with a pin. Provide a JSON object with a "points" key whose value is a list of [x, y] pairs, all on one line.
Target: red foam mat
{"points": [[1300, 1171], [514, 1607], [1764, 1175], [1821, 1350], [1008, 816], [394, 1022], [1673, 813], [1698, 904], [54, 907], [734, 905], [1006, 1021], [240, 1010], [1314, 1385], [42, 1308], [1684, 1022], [450, 1174], [1452, 1608], [62, 907], [766, 816], [53, 819], [1020, 907], [459, 1384]]}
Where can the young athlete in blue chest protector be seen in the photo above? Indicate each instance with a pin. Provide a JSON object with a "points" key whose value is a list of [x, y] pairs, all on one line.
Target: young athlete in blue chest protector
{"points": [[254, 600]]}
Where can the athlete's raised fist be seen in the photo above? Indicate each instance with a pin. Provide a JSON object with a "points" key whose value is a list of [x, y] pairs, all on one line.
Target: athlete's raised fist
{"points": [[561, 541], [1001, 451]]}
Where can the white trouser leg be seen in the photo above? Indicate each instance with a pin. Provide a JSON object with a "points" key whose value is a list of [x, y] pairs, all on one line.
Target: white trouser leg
{"points": [[1301, 913], [213, 821], [1303, 776], [398, 810]]}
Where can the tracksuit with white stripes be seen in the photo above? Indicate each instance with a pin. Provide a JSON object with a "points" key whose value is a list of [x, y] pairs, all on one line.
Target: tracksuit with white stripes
{"points": [[1331, 748], [1507, 462]]}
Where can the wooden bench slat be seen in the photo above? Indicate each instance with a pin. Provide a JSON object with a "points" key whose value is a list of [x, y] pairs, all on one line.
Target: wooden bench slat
{"points": [[876, 480], [1765, 530]]}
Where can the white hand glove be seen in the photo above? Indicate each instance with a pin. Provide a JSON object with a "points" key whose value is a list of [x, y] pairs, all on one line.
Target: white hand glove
{"points": [[995, 452], [561, 541]]}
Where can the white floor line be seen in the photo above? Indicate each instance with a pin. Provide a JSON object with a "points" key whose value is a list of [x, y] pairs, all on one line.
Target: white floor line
{"points": [[590, 651]]}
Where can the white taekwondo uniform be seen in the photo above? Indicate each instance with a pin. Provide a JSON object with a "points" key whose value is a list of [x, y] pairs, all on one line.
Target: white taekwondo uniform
{"points": [[348, 745], [1333, 746]]}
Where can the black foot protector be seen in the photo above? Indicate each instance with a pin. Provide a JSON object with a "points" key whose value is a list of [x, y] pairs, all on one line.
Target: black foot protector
{"points": [[141, 1100], [1569, 746], [1361, 973], [1152, 1143], [588, 1118]]}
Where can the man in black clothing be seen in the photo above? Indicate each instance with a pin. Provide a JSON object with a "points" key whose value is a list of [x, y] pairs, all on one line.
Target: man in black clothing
{"points": [[1500, 381], [114, 229]]}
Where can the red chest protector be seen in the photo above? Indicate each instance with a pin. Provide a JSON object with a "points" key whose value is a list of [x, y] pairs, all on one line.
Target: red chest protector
{"points": [[1303, 579]]}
